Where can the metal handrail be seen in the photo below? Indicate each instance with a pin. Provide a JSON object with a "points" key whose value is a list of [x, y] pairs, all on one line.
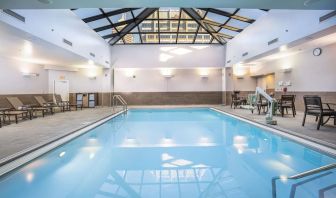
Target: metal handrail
{"points": [[301, 175], [121, 100]]}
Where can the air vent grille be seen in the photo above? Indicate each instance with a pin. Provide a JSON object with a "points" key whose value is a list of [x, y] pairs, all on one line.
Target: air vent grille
{"points": [[107, 62], [15, 15], [92, 54], [229, 61], [245, 54], [272, 41], [67, 42], [328, 16]]}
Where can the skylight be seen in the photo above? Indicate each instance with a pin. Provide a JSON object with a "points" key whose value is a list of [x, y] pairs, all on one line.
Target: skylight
{"points": [[168, 25]]}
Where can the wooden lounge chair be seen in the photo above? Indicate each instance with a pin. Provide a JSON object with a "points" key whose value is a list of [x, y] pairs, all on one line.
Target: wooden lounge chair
{"points": [[18, 106], [314, 107], [7, 112], [287, 102], [50, 105], [66, 104]]}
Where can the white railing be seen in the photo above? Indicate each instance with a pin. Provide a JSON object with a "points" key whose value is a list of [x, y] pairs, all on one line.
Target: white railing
{"points": [[118, 98]]}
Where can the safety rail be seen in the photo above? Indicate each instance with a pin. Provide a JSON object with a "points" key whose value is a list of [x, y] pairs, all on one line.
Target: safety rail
{"points": [[300, 175], [117, 98]]}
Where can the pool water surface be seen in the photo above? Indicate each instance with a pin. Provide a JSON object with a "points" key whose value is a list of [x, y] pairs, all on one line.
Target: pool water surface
{"points": [[187, 152]]}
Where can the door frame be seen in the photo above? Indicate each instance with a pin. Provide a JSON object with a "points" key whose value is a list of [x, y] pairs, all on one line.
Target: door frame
{"points": [[54, 88]]}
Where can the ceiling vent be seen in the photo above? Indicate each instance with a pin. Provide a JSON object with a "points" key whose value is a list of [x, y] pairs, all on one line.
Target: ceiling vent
{"points": [[328, 16], [67, 42], [15, 15], [245, 54], [273, 41], [92, 54]]}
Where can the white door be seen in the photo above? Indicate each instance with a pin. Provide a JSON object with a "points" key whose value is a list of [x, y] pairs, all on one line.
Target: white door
{"points": [[61, 87]]}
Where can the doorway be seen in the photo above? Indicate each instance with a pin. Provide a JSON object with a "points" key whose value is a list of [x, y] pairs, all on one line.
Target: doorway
{"points": [[61, 87]]}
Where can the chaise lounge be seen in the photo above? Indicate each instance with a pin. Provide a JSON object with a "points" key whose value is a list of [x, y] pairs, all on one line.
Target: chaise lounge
{"points": [[19, 106]]}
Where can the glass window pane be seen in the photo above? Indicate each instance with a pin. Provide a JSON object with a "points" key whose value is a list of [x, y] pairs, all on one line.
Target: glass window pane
{"points": [[200, 12], [121, 17], [167, 38], [99, 23], [216, 17], [150, 38], [203, 38], [251, 13], [87, 12], [149, 26], [237, 24], [132, 38], [185, 38]]}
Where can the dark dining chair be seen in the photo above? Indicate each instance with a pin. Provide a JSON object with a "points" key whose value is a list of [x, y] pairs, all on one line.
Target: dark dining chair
{"points": [[314, 107], [262, 104], [287, 102]]}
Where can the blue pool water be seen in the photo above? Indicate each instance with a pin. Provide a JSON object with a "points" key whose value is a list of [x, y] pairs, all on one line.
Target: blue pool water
{"points": [[172, 153]]}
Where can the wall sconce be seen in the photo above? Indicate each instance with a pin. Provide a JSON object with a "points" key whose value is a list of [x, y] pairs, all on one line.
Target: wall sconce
{"points": [[93, 77], [240, 77], [29, 75], [204, 73], [167, 73], [130, 73], [287, 70]]}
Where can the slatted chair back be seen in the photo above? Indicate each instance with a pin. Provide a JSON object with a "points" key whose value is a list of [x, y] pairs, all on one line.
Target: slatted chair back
{"points": [[15, 102], [312, 103], [40, 100]]}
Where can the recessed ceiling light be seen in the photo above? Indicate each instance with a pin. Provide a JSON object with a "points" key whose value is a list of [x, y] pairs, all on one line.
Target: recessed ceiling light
{"points": [[45, 1]]}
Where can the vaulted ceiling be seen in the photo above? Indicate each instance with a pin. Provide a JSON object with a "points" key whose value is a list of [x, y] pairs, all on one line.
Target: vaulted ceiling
{"points": [[168, 25]]}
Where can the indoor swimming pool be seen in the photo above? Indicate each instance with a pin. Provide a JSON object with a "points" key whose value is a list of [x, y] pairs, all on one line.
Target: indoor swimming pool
{"points": [[181, 152]]}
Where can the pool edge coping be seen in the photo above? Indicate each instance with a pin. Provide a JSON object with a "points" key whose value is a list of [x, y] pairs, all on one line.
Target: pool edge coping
{"points": [[299, 138], [14, 161]]}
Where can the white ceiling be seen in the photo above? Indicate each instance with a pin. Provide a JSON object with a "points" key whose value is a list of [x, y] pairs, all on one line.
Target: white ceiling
{"points": [[22, 46], [318, 40], [261, 4]]}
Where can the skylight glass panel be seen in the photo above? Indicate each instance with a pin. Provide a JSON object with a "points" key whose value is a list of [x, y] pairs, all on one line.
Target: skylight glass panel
{"points": [[99, 23], [169, 13], [237, 24], [165, 26], [216, 18], [185, 38], [228, 10], [149, 26], [106, 10], [137, 11], [132, 38], [191, 26], [183, 26], [87, 12], [150, 38], [121, 17], [105, 32], [200, 12], [228, 32], [203, 38], [250, 13], [167, 38], [185, 15], [153, 16]]}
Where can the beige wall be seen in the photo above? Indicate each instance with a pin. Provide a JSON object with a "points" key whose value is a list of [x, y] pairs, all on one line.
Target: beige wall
{"points": [[308, 72], [13, 82], [152, 80]]}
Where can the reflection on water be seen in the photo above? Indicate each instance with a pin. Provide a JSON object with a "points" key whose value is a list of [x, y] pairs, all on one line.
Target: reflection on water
{"points": [[171, 153]]}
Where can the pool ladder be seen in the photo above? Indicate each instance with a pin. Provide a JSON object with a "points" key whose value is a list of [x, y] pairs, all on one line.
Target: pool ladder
{"points": [[118, 98], [301, 175]]}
